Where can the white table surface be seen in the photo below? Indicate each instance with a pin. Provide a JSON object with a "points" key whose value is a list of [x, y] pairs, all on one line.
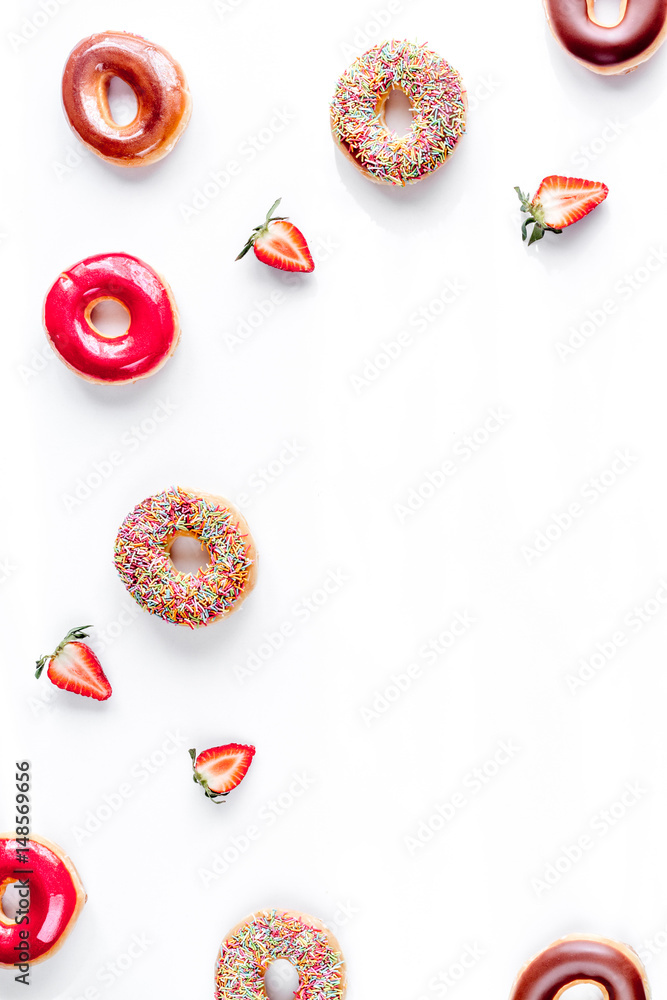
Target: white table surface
{"points": [[341, 840]]}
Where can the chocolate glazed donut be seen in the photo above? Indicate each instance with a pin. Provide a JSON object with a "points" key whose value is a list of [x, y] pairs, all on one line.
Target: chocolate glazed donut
{"points": [[163, 98], [608, 49], [611, 966]]}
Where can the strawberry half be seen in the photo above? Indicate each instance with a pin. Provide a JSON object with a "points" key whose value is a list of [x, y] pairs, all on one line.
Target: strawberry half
{"points": [[279, 244], [559, 202], [74, 667], [220, 769]]}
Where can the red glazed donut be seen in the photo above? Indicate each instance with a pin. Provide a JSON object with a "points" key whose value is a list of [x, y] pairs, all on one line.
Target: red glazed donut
{"points": [[613, 967], [149, 340], [608, 49], [163, 98], [56, 897]]}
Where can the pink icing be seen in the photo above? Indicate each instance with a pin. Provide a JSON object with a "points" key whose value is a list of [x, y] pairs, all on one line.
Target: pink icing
{"points": [[53, 900], [152, 333]]}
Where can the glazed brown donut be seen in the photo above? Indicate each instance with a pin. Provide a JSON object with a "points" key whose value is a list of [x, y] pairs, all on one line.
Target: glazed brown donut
{"points": [[608, 49], [613, 967], [163, 98]]}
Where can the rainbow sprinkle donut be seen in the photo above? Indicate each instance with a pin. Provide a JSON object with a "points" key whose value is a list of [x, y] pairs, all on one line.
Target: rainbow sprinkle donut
{"points": [[438, 103], [142, 558], [260, 939]]}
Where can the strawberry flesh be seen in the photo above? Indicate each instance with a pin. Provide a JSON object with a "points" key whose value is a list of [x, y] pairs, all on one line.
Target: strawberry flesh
{"points": [[565, 200], [284, 247], [558, 203], [220, 769]]}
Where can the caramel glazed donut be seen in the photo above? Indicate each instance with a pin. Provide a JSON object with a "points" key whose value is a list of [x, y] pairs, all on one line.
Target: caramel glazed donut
{"points": [[268, 935], [145, 567], [163, 98], [608, 49], [615, 968], [48, 910]]}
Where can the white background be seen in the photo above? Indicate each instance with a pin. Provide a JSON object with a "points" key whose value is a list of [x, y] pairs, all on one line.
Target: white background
{"points": [[391, 253]]}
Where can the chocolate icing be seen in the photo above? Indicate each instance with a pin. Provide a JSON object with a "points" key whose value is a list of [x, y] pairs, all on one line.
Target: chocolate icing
{"points": [[601, 45], [572, 960]]}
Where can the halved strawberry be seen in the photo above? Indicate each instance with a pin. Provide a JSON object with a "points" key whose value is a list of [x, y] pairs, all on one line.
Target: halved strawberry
{"points": [[279, 244], [558, 202], [74, 667], [220, 769]]}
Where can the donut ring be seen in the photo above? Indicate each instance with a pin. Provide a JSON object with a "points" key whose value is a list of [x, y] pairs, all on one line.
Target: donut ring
{"points": [[163, 98], [56, 899], [438, 103], [149, 340], [608, 49], [267, 935], [142, 557], [614, 968]]}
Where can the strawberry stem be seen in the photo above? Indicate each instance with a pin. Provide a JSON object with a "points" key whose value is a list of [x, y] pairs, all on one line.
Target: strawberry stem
{"points": [[535, 217], [262, 229], [78, 632], [199, 780]]}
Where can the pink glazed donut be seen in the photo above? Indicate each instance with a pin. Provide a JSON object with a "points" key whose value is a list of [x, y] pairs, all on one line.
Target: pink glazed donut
{"points": [[149, 340]]}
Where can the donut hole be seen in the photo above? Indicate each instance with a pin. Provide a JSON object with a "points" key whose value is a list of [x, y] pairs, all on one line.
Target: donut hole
{"points": [[108, 317], [10, 900], [397, 111], [607, 12], [122, 101], [281, 980], [584, 990], [188, 554]]}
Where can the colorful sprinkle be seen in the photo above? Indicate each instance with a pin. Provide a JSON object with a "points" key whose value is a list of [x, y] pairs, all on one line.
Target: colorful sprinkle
{"points": [[142, 558], [271, 934], [437, 99]]}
